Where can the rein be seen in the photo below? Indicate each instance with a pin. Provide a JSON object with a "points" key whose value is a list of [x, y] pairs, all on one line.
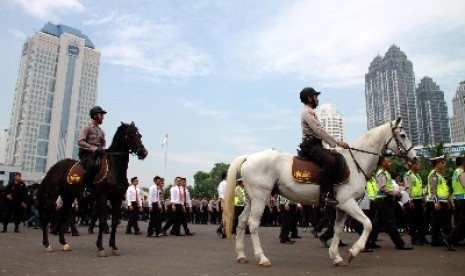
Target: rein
{"points": [[403, 151]]}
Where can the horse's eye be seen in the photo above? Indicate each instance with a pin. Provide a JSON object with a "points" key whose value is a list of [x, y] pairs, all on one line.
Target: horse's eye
{"points": [[403, 136]]}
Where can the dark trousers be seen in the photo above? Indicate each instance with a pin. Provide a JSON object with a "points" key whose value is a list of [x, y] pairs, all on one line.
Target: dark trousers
{"points": [[133, 218], [12, 209], [287, 218], [324, 158], [155, 220], [174, 220], [440, 222], [237, 212], [330, 217], [417, 222], [385, 217], [458, 233], [184, 218]]}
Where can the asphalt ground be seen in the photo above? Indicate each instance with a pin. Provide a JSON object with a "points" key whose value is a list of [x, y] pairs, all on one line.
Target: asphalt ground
{"points": [[206, 254]]}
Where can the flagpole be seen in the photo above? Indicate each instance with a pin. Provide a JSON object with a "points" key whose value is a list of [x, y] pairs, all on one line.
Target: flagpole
{"points": [[164, 145]]}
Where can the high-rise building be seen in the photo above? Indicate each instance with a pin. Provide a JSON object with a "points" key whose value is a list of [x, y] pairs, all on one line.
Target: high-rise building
{"points": [[332, 121], [433, 125], [56, 87], [3, 143], [390, 92], [457, 121]]}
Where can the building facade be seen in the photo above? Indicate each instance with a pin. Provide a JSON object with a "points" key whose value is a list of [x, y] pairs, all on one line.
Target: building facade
{"points": [[332, 121], [457, 121], [3, 143], [433, 116], [56, 87], [390, 92]]}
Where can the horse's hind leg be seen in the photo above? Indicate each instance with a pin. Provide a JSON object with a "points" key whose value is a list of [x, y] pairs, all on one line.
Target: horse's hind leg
{"points": [[254, 222], [103, 214], [62, 223], [356, 213], [338, 227], [44, 217], [240, 232]]}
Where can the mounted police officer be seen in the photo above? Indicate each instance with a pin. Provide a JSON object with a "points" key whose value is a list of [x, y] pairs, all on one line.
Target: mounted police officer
{"points": [[313, 135], [91, 143]]}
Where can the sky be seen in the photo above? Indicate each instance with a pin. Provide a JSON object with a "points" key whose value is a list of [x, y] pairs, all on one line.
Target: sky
{"points": [[222, 78]]}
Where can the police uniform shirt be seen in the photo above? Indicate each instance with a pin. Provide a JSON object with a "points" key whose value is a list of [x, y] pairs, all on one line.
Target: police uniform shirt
{"points": [[382, 182], [131, 195], [91, 137], [154, 196], [312, 128]]}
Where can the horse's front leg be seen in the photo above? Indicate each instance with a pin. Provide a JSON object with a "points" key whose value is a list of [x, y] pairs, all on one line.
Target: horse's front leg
{"points": [[338, 227], [254, 222], [115, 217], [357, 213], [44, 217], [62, 225], [103, 214], [240, 232]]}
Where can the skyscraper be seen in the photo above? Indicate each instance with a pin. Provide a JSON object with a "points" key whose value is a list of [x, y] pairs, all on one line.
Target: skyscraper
{"points": [[56, 87], [332, 121], [457, 121], [433, 124], [390, 92]]}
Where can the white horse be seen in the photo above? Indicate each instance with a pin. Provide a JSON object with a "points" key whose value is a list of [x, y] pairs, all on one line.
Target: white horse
{"points": [[270, 169]]}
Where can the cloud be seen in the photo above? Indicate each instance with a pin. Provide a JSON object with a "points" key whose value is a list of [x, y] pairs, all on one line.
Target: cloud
{"points": [[199, 108], [17, 34], [47, 10], [98, 20], [155, 50], [333, 43]]}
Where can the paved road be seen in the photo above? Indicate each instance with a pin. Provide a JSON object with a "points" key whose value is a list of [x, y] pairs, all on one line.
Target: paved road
{"points": [[205, 254]]}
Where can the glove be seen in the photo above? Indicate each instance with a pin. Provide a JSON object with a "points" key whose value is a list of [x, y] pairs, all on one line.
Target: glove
{"points": [[99, 152]]}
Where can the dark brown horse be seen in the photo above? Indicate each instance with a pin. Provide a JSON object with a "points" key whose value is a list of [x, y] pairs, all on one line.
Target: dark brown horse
{"points": [[126, 141]]}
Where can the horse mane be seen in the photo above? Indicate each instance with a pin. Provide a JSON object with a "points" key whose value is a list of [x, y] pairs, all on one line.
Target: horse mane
{"points": [[118, 132], [372, 135]]}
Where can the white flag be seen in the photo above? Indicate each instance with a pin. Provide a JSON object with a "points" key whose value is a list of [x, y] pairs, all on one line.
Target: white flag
{"points": [[165, 141]]}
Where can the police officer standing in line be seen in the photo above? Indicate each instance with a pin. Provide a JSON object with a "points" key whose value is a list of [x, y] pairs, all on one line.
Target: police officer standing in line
{"points": [[313, 135], [414, 186], [438, 202], [91, 143], [16, 196], [288, 209], [239, 202], [458, 193], [155, 209], [384, 204]]}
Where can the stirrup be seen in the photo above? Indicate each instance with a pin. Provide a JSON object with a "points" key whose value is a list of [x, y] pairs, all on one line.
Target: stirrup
{"points": [[328, 201]]}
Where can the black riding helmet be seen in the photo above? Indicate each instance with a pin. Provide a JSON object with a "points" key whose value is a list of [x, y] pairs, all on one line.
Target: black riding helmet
{"points": [[307, 92], [96, 109]]}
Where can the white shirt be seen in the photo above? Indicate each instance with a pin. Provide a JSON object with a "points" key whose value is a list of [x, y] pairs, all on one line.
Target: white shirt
{"points": [[131, 195], [178, 196], [222, 189], [154, 196]]}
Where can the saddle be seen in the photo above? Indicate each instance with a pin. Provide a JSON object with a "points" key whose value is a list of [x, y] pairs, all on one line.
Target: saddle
{"points": [[76, 172], [308, 172]]}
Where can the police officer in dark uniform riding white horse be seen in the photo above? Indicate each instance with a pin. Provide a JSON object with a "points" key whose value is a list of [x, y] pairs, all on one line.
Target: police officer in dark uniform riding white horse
{"points": [[91, 143], [313, 135]]}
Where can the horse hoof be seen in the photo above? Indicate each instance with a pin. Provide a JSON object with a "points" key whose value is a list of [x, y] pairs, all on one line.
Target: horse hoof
{"points": [[116, 252], [340, 263], [102, 253], [242, 260], [66, 247], [48, 249], [266, 263], [351, 257]]}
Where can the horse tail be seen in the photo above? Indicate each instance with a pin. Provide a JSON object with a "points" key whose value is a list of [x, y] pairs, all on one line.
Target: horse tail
{"points": [[228, 207]]}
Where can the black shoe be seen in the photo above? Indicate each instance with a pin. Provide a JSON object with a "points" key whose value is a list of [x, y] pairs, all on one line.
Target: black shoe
{"points": [[404, 247], [179, 235], [296, 237], [372, 245], [328, 201], [449, 245], [287, 241], [324, 242]]}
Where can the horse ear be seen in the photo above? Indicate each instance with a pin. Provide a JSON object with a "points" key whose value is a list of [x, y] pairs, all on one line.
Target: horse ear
{"points": [[132, 123], [122, 123], [398, 121]]}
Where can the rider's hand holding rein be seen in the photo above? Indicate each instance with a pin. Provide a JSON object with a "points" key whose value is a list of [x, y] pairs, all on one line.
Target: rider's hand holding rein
{"points": [[343, 144]]}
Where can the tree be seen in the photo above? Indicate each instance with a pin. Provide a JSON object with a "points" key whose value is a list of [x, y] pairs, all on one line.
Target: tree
{"points": [[206, 184]]}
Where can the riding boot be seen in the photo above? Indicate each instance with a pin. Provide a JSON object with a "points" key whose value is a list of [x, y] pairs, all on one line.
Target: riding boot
{"points": [[326, 189]]}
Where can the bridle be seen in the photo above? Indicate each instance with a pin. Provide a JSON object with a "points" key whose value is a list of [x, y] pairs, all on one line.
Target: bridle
{"points": [[403, 152]]}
